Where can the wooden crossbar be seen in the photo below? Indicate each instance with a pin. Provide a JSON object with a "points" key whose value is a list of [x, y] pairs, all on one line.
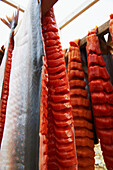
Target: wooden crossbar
{"points": [[82, 8], [102, 30]]}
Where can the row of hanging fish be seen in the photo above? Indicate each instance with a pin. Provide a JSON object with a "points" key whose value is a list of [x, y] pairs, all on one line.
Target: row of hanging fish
{"points": [[46, 121]]}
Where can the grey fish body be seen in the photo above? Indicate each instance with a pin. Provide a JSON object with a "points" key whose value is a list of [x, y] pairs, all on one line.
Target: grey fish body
{"points": [[20, 144]]}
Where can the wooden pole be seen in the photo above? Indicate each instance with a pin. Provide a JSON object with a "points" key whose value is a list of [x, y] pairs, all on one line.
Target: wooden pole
{"points": [[76, 13]]}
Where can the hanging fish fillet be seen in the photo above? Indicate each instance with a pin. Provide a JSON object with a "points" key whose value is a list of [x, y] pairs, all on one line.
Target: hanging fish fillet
{"points": [[57, 144], [19, 148], [81, 113], [102, 97], [5, 89], [5, 69]]}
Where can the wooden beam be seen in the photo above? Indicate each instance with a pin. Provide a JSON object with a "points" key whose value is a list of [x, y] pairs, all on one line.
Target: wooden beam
{"points": [[82, 8], [46, 5], [13, 4], [102, 30]]}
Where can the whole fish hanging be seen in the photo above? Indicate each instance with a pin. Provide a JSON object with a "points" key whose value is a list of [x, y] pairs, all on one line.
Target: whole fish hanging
{"points": [[20, 143]]}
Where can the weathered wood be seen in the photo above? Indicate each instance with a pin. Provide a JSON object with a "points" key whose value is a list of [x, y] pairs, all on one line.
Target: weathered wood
{"points": [[102, 30]]}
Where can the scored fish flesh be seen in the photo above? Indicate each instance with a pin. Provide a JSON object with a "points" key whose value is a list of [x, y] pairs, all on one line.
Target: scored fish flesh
{"points": [[5, 86], [82, 114], [101, 91], [57, 144]]}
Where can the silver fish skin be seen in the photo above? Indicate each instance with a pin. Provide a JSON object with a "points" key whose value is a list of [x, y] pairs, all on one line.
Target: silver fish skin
{"points": [[20, 143]]}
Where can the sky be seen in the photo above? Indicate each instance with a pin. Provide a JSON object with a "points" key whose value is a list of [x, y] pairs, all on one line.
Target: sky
{"points": [[95, 16]]}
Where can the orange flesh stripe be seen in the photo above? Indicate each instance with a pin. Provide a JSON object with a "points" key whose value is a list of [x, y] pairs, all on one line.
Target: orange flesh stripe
{"points": [[5, 91], [101, 95], [58, 120], [81, 113]]}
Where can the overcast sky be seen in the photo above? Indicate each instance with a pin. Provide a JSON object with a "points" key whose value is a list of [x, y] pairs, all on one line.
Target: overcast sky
{"points": [[95, 16]]}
